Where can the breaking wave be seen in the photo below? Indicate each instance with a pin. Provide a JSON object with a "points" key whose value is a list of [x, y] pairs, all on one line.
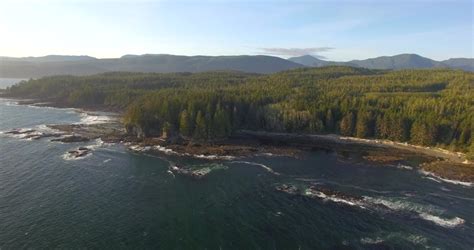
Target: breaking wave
{"points": [[428, 213], [448, 223], [401, 166], [168, 151], [439, 179], [87, 118], [417, 240], [333, 198], [257, 164]]}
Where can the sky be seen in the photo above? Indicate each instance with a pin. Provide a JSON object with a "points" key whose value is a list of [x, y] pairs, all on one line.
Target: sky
{"points": [[333, 30]]}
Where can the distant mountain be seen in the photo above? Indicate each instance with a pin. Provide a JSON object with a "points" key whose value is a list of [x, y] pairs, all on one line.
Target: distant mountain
{"points": [[33, 67], [83, 65], [460, 63], [49, 58], [311, 61], [402, 61]]}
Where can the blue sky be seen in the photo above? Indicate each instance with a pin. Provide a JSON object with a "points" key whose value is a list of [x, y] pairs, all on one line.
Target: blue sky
{"points": [[335, 30]]}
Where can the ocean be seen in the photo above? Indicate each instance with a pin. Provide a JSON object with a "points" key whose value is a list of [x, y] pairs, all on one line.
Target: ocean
{"points": [[120, 198]]}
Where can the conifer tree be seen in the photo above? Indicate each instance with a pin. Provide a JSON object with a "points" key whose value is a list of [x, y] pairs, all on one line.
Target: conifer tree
{"points": [[201, 128], [185, 123], [347, 124]]}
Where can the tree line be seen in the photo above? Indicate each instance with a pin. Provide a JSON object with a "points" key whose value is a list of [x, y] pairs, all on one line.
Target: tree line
{"points": [[426, 107]]}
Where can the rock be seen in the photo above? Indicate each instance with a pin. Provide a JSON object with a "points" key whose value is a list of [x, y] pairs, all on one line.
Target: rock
{"points": [[20, 132], [42, 135], [316, 190], [72, 138], [288, 188], [193, 171], [80, 152], [135, 131]]}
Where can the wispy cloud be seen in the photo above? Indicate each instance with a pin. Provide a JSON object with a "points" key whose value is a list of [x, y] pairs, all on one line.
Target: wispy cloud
{"points": [[295, 51]]}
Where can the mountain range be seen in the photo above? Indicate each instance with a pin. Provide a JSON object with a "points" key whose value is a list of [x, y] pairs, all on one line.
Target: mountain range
{"points": [[33, 67], [402, 61]]}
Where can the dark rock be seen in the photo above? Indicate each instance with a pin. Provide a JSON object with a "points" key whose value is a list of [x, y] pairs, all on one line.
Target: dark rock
{"points": [[19, 132], [288, 188], [135, 131], [80, 152], [72, 138], [42, 135]]}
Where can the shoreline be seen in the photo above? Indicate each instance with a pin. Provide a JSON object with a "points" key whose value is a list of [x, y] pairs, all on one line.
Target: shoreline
{"points": [[246, 143], [457, 157]]}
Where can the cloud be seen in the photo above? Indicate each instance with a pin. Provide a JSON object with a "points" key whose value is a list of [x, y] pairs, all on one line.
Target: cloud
{"points": [[295, 51]]}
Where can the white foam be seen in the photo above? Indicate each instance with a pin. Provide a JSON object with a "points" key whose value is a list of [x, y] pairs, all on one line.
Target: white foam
{"points": [[165, 150], [391, 236], [403, 205], [371, 241], [98, 144], [333, 198], [91, 147], [448, 223], [401, 166], [431, 178], [170, 173], [259, 165], [434, 177], [11, 103], [428, 213], [267, 154], [417, 240], [138, 148], [70, 157], [212, 157], [87, 118], [169, 151]]}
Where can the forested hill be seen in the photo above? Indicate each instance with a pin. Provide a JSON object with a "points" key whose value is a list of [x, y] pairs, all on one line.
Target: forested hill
{"points": [[424, 107]]}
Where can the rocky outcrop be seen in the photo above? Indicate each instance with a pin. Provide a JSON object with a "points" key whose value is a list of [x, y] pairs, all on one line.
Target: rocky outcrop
{"points": [[134, 130], [72, 138], [79, 153]]}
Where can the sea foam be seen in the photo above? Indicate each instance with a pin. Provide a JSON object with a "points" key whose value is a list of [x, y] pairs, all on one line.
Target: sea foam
{"points": [[439, 179], [257, 164]]}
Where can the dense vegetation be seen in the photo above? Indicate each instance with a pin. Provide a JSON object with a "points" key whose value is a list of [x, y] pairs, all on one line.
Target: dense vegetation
{"points": [[425, 107]]}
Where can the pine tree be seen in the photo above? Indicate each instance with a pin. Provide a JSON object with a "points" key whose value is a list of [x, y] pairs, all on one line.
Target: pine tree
{"points": [[398, 128], [201, 128], [185, 124], [221, 124], [364, 125], [167, 130], [208, 120], [329, 121], [316, 125], [347, 124], [470, 154], [423, 134]]}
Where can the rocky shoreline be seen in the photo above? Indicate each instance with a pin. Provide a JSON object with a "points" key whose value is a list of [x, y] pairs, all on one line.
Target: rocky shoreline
{"points": [[246, 143], [449, 165]]}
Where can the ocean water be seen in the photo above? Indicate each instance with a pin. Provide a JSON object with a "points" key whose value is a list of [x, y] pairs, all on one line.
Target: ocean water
{"points": [[118, 198]]}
